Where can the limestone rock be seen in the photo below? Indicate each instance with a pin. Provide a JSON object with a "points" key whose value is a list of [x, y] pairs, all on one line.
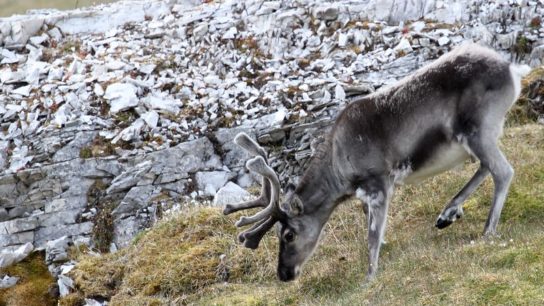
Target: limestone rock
{"points": [[8, 281], [9, 257], [229, 194], [56, 250], [121, 96], [209, 182]]}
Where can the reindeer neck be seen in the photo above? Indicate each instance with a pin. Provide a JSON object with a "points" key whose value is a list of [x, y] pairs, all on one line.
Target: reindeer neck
{"points": [[321, 188]]}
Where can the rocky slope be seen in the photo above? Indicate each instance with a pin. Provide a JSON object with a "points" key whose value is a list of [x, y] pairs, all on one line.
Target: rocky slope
{"points": [[112, 115]]}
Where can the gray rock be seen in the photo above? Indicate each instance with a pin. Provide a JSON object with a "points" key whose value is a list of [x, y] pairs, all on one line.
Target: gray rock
{"points": [[537, 56], [234, 156], [56, 250], [210, 181], [229, 194], [16, 239], [8, 281], [187, 157], [326, 13], [125, 229], [3, 214], [129, 178], [73, 148], [18, 225], [9, 257], [66, 285], [44, 234], [136, 199]]}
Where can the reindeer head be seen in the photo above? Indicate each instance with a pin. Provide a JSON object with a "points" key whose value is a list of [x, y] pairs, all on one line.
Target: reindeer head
{"points": [[298, 233]]}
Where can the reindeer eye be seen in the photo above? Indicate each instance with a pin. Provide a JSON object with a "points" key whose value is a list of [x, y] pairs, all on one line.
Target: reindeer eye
{"points": [[289, 236]]}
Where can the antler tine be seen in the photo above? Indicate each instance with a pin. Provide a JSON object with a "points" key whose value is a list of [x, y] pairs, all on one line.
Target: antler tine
{"points": [[244, 141], [258, 165], [261, 201], [253, 236]]}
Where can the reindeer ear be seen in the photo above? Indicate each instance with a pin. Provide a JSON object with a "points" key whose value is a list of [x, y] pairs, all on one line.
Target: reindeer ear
{"points": [[294, 207]]}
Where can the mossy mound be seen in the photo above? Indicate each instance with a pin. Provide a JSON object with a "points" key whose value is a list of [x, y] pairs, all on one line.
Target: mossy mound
{"points": [[36, 286], [178, 259]]}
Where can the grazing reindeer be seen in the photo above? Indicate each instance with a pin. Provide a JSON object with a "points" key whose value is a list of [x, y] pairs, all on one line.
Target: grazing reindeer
{"points": [[425, 124]]}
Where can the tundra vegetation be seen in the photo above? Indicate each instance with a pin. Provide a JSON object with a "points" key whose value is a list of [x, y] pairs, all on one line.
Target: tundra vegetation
{"points": [[178, 260]]}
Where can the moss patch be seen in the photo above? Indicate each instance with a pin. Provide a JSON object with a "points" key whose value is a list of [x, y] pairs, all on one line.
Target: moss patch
{"points": [[34, 285]]}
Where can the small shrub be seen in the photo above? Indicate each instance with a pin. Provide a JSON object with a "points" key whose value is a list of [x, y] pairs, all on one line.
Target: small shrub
{"points": [[103, 226], [85, 152]]}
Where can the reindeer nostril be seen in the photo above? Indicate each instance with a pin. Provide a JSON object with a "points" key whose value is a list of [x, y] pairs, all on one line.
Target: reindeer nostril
{"points": [[286, 275]]}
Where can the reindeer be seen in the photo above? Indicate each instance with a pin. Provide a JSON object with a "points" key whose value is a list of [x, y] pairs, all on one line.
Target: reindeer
{"points": [[425, 124]]}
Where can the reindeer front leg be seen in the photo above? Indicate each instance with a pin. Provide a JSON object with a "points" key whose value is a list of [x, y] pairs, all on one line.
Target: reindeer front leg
{"points": [[376, 193]]}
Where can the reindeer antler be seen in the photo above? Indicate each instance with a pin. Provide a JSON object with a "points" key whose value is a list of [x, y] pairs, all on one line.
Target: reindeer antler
{"points": [[269, 197]]}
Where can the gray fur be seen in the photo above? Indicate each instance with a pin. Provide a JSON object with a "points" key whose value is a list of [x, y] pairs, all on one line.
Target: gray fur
{"points": [[425, 124]]}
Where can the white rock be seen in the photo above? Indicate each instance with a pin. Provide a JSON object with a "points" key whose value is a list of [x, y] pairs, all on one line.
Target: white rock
{"points": [[403, 46], [162, 104], [65, 285], [230, 33], [443, 41], [38, 40], [148, 68], [23, 91], [8, 281], [92, 302], [200, 30], [122, 96], [131, 132], [8, 258], [210, 182], [98, 90], [230, 194], [151, 118], [19, 159], [418, 26], [65, 268], [9, 57], [115, 65], [342, 40], [55, 34], [339, 92]]}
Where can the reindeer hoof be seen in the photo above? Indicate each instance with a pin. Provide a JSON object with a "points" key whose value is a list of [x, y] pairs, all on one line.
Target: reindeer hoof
{"points": [[442, 223], [448, 217]]}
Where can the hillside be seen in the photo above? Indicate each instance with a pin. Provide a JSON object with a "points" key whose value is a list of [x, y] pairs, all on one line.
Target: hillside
{"points": [[176, 260], [117, 120]]}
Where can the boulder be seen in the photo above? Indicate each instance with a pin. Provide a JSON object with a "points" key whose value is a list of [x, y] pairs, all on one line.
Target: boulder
{"points": [[9, 257], [229, 194]]}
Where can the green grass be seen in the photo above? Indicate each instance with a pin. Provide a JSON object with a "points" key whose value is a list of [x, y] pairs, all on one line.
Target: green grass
{"points": [[10, 7], [175, 261]]}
